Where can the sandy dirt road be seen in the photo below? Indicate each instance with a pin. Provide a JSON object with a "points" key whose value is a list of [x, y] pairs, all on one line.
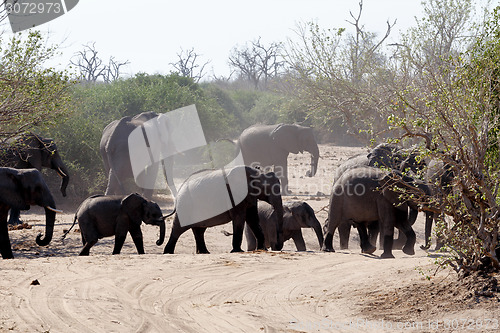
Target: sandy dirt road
{"points": [[53, 290]]}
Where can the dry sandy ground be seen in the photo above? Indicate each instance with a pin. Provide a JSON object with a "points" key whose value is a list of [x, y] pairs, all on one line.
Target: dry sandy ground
{"points": [[53, 290]]}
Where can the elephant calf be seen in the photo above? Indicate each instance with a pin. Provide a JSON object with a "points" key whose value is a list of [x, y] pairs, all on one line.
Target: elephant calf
{"points": [[107, 215], [296, 215]]}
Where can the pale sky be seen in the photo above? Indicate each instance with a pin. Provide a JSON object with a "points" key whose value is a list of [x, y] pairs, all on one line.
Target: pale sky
{"points": [[149, 34]]}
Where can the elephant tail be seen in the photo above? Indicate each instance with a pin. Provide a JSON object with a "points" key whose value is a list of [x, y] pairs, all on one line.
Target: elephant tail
{"points": [[67, 231]]}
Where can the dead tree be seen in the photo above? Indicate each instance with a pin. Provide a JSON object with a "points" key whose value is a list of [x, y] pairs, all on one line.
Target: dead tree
{"points": [[91, 66], [257, 63], [187, 65]]}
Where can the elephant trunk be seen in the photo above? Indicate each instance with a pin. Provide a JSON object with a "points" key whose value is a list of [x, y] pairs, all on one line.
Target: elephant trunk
{"points": [[162, 233], [62, 171], [277, 240], [50, 218], [319, 232], [314, 161]]}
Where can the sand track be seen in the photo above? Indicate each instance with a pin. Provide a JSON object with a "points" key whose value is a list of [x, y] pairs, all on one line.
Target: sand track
{"points": [[219, 292]]}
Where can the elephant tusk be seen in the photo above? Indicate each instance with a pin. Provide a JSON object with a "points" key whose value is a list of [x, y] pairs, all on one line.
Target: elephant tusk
{"points": [[168, 215], [53, 209], [61, 173]]}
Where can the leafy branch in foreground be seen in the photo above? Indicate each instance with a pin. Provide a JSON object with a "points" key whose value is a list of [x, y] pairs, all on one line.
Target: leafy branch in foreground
{"points": [[30, 95]]}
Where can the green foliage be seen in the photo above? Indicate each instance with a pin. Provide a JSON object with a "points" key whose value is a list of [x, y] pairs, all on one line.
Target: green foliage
{"points": [[96, 104], [30, 94]]}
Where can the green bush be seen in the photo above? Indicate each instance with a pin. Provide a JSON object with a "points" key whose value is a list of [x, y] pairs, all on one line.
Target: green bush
{"points": [[94, 105]]}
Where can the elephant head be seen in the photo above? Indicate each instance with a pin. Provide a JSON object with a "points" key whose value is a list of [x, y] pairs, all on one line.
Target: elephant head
{"points": [[267, 187], [297, 139], [33, 151], [302, 216], [138, 209], [22, 188]]}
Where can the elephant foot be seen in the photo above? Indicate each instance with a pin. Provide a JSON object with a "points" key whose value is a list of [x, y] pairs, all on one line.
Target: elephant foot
{"points": [[387, 255], [398, 244], [236, 250], [328, 250], [425, 247], [344, 247], [369, 250], [409, 250]]}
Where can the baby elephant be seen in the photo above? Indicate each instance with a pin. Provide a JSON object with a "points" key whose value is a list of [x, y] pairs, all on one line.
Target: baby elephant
{"points": [[296, 215], [107, 215]]}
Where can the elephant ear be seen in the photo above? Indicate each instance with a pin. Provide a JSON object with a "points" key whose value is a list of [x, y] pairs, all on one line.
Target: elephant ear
{"points": [[19, 201], [299, 211], [286, 137], [132, 206]]}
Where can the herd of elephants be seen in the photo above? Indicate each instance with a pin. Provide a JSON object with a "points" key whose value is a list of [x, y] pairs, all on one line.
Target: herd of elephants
{"points": [[361, 196]]}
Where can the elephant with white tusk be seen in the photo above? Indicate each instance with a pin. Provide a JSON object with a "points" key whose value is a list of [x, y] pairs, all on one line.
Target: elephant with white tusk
{"points": [[19, 189], [33, 151]]}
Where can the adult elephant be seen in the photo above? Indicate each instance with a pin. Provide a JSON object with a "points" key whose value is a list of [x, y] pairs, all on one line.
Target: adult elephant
{"points": [[20, 188], [384, 156], [219, 196], [363, 195], [296, 215], [115, 154], [270, 145], [33, 151]]}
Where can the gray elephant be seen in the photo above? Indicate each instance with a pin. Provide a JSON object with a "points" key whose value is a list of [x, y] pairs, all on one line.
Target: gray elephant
{"points": [[441, 175], [116, 158], [386, 156], [363, 195], [32, 151], [114, 215], [196, 196], [296, 215], [20, 189], [270, 145]]}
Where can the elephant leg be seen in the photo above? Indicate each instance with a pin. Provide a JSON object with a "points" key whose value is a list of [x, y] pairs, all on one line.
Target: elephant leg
{"points": [[281, 170], [238, 226], [251, 239], [405, 229], [14, 216], [332, 225], [373, 232], [366, 246], [119, 241], [298, 239], [114, 185], [387, 218], [175, 233], [5, 247], [400, 241], [252, 221], [137, 237], [344, 232], [86, 248], [199, 237], [328, 244], [429, 218]]}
